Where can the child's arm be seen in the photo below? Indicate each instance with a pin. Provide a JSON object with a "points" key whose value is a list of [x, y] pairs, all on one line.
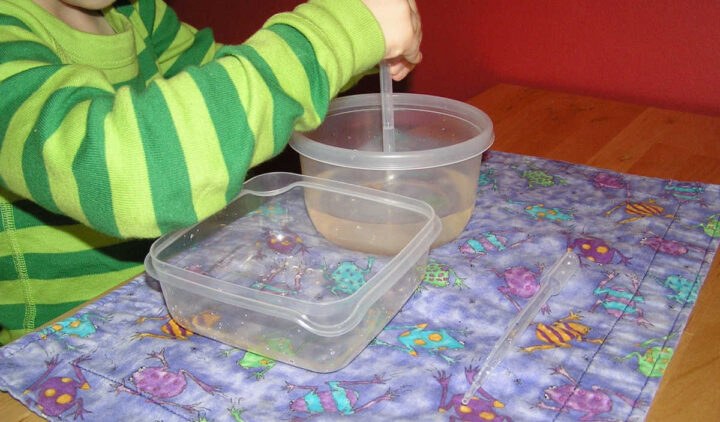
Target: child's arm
{"points": [[175, 43], [137, 162]]}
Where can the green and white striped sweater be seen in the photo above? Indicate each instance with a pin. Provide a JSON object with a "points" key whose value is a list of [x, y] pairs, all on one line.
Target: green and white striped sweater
{"points": [[107, 140]]}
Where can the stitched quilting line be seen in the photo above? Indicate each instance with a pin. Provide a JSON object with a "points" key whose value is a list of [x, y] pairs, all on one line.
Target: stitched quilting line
{"points": [[563, 407], [150, 398], [618, 319], [8, 221], [685, 304]]}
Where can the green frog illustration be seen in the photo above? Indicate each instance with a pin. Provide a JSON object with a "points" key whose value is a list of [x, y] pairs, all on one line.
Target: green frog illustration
{"points": [[654, 360], [538, 177], [252, 361], [439, 274]]}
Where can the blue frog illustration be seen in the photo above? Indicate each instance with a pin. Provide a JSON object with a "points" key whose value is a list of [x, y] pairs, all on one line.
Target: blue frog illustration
{"points": [[337, 399], [684, 192], [486, 178], [619, 301], [685, 291], [79, 326], [539, 211], [416, 337], [490, 241], [347, 277]]}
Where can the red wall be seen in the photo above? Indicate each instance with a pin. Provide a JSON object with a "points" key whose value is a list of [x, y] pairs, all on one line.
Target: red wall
{"points": [[657, 52]]}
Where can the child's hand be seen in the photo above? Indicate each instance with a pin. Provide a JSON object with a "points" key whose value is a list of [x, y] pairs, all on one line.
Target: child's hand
{"points": [[400, 24]]}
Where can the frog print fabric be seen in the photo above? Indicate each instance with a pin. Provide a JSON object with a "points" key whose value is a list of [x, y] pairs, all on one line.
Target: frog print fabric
{"points": [[598, 350]]}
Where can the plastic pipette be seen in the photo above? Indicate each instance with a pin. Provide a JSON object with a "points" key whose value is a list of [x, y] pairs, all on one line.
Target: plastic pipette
{"points": [[388, 117], [550, 284]]}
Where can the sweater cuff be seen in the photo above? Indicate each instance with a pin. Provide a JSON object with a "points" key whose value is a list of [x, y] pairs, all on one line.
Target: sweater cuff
{"points": [[345, 36]]}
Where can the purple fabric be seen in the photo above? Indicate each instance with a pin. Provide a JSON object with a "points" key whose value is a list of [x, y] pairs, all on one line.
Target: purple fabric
{"points": [[596, 352]]}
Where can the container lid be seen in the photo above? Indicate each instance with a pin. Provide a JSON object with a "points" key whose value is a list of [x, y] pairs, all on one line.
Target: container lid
{"points": [[430, 132], [265, 253]]}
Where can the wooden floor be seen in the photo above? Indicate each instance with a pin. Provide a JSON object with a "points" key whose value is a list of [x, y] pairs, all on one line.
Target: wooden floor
{"points": [[627, 138], [639, 140]]}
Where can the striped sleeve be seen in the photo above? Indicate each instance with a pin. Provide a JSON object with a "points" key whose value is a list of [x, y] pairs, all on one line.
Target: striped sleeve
{"points": [[175, 45], [138, 161]]}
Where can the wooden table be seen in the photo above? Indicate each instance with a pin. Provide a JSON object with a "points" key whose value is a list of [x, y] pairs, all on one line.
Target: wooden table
{"points": [[627, 138]]}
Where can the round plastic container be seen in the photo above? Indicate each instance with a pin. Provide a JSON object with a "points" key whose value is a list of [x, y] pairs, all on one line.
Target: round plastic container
{"points": [[438, 151]]}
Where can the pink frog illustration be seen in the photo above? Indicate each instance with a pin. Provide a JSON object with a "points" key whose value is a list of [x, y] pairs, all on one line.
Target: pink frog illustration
{"points": [[157, 384], [337, 399], [478, 409], [620, 301], [603, 180], [595, 250], [593, 402], [57, 395], [667, 246], [281, 241], [521, 282]]}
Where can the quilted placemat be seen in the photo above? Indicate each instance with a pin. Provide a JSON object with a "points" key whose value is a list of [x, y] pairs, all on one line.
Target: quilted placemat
{"points": [[597, 351]]}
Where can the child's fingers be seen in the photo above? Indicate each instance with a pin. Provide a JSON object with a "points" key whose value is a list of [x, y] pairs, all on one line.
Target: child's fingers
{"points": [[401, 74], [400, 68]]}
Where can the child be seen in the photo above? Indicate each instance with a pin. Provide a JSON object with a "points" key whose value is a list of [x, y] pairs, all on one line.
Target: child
{"points": [[120, 123]]}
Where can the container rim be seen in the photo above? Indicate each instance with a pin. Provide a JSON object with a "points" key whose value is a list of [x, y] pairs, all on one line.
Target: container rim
{"points": [[404, 160], [297, 310]]}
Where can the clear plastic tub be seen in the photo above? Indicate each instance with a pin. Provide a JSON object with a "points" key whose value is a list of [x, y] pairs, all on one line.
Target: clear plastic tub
{"points": [[438, 151], [258, 275]]}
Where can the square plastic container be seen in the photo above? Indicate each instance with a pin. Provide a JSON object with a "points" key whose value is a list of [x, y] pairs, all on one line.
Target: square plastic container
{"points": [[438, 151], [296, 268]]}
